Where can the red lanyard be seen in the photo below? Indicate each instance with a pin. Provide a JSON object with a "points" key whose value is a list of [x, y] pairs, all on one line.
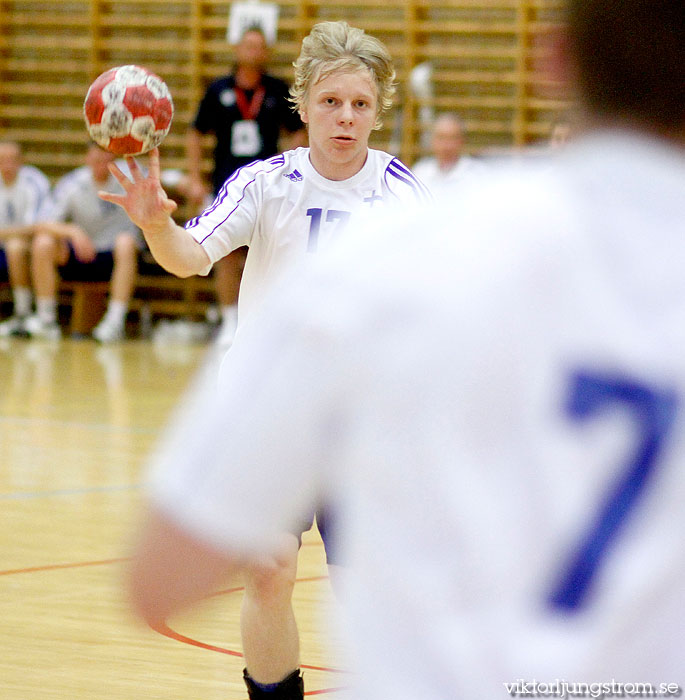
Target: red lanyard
{"points": [[251, 110]]}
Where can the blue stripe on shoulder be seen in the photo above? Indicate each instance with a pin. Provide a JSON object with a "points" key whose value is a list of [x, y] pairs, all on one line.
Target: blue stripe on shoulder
{"points": [[402, 173], [276, 161]]}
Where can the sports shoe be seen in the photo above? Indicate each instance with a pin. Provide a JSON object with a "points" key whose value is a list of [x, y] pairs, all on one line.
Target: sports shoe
{"points": [[36, 327], [15, 325], [290, 688], [108, 332]]}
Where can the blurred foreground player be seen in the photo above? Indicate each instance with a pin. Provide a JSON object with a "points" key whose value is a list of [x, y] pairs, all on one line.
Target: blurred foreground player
{"points": [[286, 207], [502, 427], [500, 423]]}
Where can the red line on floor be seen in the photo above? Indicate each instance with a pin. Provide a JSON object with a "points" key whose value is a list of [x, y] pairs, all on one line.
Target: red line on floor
{"points": [[76, 565], [53, 567], [166, 631], [325, 690]]}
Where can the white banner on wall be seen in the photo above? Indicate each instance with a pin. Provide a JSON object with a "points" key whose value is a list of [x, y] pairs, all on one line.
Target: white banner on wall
{"points": [[243, 15]]}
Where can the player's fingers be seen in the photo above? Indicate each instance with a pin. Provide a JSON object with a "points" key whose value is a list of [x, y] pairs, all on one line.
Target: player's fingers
{"points": [[119, 176], [170, 206], [154, 163], [110, 197], [134, 169]]}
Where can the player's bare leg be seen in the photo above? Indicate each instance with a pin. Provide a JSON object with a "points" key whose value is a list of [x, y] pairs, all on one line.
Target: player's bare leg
{"points": [[125, 268], [17, 254], [270, 638], [47, 253], [112, 326]]}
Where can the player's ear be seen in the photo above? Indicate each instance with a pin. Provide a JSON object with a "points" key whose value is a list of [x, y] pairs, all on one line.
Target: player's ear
{"points": [[303, 116]]}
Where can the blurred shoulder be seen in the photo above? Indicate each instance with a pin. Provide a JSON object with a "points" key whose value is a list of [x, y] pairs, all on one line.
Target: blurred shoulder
{"points": [[274, 84], [32, 174], [424, 165], [74, 179], [513, 213], [221, 83]]}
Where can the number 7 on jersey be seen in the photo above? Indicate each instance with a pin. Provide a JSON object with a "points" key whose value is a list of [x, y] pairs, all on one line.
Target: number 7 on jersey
{"points": [[654, 413]]}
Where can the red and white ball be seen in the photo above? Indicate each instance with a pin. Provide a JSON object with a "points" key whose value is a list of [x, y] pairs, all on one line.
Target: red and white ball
{"points": [[128, 110]]}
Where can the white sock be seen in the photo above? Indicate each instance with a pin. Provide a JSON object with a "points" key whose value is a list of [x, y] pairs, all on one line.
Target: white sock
{"points": [[22, 301], [116, 312], [46, 308]]}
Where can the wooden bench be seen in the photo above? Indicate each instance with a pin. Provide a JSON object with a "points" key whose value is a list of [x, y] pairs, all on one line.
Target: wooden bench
{"points": [[159, 294], [156, 294], [87, 301]]}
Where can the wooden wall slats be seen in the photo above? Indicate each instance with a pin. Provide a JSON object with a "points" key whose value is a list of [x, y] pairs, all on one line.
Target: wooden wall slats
{"points": [[484, 56]]}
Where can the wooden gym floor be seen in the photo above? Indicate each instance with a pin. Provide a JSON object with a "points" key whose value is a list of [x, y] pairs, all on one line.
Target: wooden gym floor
{"points": [[77, 421]]}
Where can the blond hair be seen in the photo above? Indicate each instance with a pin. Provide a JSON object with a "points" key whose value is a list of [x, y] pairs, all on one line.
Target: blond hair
{"points": [[335, 46]]}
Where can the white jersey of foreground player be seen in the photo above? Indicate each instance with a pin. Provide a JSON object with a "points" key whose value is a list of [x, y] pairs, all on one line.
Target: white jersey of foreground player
{"points": [[478, 415], [283, 208]]}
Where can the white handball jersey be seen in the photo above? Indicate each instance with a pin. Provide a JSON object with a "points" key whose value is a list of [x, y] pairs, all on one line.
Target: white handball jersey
{"points": [[26, 200], [283, 208], [500, 423], [76, 200]]}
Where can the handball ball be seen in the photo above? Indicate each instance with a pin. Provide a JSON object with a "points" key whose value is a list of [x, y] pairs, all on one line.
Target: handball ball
{"points": [[128, 110]]}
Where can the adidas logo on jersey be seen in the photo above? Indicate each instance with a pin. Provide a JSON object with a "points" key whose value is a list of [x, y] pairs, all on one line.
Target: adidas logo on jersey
{"points": [[295, 176]]}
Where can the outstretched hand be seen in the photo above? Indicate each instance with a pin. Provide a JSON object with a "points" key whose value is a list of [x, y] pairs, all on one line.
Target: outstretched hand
{"points": [[144, 200]]}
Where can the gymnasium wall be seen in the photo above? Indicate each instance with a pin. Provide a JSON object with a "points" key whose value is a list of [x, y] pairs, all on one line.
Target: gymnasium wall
{"points": [[485, 56]]}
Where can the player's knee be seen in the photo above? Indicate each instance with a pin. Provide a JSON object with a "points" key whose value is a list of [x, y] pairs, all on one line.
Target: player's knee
{"points": [[124, 246], [270, 583], [272, 580], [44, 245], [16, 246]]}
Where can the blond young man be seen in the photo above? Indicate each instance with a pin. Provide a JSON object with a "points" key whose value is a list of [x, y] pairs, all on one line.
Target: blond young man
{"points": [[285, 208]]}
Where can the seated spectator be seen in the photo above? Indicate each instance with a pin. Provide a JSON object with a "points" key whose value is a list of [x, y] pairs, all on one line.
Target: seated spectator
{"points": [[448, 164], [85, 239], [24, 194]]}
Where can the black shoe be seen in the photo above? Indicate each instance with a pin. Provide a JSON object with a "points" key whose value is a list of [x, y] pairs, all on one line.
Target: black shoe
{"points": [[290, 688]]}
